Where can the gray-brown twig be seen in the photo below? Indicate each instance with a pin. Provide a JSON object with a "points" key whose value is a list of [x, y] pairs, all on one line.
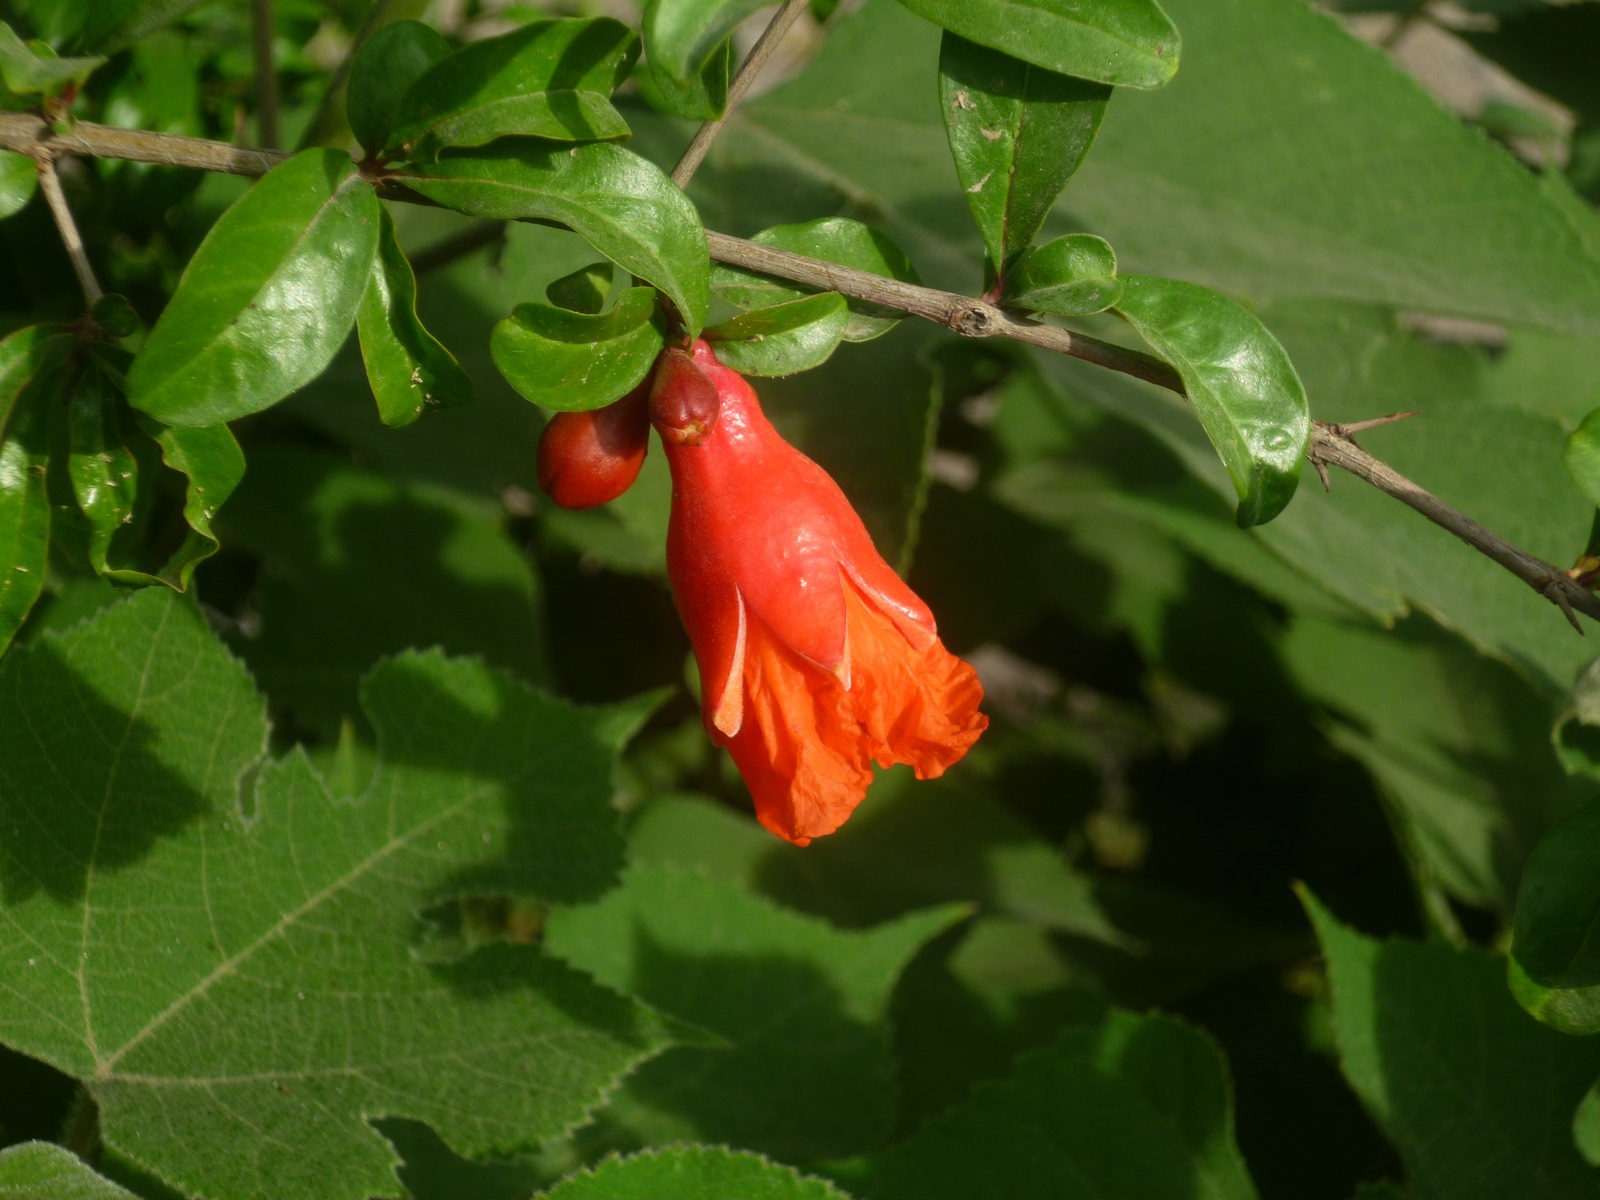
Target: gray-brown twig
{"points": [[748, 71], [1330, 444], [55, 198]]}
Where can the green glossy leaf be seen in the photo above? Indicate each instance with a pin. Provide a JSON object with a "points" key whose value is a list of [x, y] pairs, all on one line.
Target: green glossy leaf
{"points": [[45, 1171], [806, 1069], [1586, 1126], [1474, 1093], [116, 316], [1017, 132], [26, 71], [624, 205], [409, 369], [19, 178], [1240, 381], [213, 464], [1072, 276], [275, 925], [549, 79], [267, 299], [103, 470], [781, 340], [682, 36], [1554, 966], [1132, 1108], [584, 290], [30, 381], [572, 361], [703, 1172], [704, 97], [835, 239], [1131, 43], [386, 65], [1583, 456], [357, 565]]}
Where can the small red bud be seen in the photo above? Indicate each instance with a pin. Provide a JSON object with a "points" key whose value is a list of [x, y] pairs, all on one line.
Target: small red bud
{"points": [[683, 400], [591, 458]]}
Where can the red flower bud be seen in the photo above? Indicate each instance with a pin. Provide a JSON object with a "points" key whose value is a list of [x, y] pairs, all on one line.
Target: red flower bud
{"points": [[591, 458], [683, 402], [815, 658]]}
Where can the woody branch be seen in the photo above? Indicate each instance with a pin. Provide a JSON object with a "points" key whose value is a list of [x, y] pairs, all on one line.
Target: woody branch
{"points": [[1331, 444]]}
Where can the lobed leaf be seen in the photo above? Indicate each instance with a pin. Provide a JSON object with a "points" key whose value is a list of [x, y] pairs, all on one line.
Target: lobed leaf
{"points": [[1131, 43], [267, 299], [409, 369], [784, 339], [280, 985], [833, 239], [1240, 381], [1017, 132], [1134, 1107], [1475, 1094], [1071, 276], [386, 65], [624, 205], [1554, 963], [573, 361], [45, 1171], [705, 1172], [549, 79]]}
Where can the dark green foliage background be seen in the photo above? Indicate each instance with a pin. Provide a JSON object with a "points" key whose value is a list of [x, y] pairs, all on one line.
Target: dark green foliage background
{"points": [[1278, 841]]}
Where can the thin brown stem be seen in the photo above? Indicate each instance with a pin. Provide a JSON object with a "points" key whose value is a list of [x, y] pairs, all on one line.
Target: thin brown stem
{"points": [[50, 185], [748, 71], [1330, 444], [262, 28]]}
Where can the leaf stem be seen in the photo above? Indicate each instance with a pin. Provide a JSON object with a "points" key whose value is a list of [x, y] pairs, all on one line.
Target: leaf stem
{"points": [[262, 28], [748, 71], [30, 134], [50, 185]]}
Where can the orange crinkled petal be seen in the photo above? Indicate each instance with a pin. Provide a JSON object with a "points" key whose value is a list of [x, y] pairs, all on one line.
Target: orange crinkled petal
{"points": [[806, 744]]}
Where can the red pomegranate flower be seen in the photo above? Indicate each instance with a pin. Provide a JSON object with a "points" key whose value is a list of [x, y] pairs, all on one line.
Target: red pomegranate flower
{"points": [[815, 658]]}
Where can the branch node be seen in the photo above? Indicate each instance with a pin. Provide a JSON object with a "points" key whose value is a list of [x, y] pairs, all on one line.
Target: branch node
{"points": [[1321, 469], [1554, 590]]}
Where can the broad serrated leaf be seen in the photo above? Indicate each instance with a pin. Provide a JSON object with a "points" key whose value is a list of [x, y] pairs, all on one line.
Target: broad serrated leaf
{"points": [[1017, 133], [1136, 1107], [681, 37], [409, 369], [30, 383], [45, 1171], [584, 290], [1240, 381], [1583, 456], [806, 1071], [1554, 965], [909, 846], [624, 205], [703, 1172], [834, 239], [359, 565], [27, 71], [386, 65], [1131, 43], [549, 79], [275, 927], [781, 340], [1071, 276], [572, 361], [1475, 1094], [19, 178], [268, 298]]}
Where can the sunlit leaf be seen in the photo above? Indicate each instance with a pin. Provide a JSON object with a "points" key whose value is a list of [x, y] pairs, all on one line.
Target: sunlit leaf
{"points": [[573, 361], [781, 340], [1072, 276], [387, 64], [268, 298]]}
